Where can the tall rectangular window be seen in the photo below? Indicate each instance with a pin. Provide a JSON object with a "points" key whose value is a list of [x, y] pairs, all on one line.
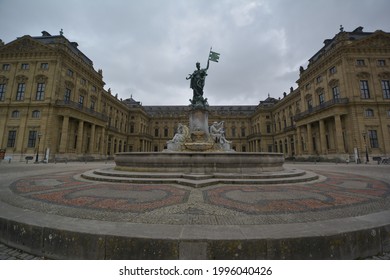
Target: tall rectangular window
{"points": [[20, 91], [336, 92], [11, 138], [67, 95], [81, 100], [2, 92], [40, 95], [373, 136], [364, 91], [243, 132], [386, 89], [165, 132], [321, 97], [32, 138]]}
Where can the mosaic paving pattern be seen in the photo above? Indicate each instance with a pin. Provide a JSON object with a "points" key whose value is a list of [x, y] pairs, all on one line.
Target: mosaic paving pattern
{"points": [[337, 191]]}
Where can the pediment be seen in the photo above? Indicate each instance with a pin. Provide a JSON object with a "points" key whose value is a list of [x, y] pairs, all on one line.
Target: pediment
{"points": [[379, 39], [23, 45]]}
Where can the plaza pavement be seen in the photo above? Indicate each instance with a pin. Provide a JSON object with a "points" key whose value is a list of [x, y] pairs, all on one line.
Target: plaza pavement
{"points": [[49, 210]]}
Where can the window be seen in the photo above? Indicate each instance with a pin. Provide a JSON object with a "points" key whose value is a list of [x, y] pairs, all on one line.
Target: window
{"points": [[156, 132], [36, 114], [40, 92], [386, 89], [81, 100], [44, 66], [69, 72], [15, 114], [93, 102], [373, 136], [309, 104], [83, 81], [93, 88], [360, 62], [319, 79], [243, 132], [268, 128], [381, 62], [2, 91], [32, 137], [369, 113], [67, 95], [321, 97], [332, 70], [388, 113], [165, 132], [25, 66], [336, 92], [20, 92], [11, 138], [364, 91], [233, 132], [131, 128], [6, 67]]}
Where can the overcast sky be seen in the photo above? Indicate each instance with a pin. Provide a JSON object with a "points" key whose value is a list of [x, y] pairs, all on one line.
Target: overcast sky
{"points": [[147, 48]]}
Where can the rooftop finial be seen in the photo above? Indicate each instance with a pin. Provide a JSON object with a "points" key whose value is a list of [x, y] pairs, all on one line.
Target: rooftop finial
{"points": [[341, 28], [61, 32]]}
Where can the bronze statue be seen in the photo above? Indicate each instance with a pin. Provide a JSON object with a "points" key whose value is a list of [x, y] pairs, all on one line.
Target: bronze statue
{"points": [[198, 79], [197, 83]]}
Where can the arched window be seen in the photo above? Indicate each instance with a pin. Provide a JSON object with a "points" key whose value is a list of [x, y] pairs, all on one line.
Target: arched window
{"points": [[36, 114], [15, 114]]}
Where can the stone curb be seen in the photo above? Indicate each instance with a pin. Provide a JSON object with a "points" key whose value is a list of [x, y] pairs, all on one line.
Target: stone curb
{"points": [[57, 237]]}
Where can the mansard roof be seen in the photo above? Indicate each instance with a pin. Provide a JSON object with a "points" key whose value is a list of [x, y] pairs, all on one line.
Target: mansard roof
{"points": [[355, 35], [49, 39]]}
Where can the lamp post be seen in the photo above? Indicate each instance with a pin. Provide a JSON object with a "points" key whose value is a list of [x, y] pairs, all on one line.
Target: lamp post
{"points": [[365, 145], [39, 140]]}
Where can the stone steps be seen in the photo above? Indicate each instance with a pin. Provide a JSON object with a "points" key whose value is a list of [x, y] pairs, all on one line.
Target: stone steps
{"points": [[201, 180]]}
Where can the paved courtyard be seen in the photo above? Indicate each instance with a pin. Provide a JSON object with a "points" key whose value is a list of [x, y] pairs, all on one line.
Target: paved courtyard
{"points": [[57, 196]]}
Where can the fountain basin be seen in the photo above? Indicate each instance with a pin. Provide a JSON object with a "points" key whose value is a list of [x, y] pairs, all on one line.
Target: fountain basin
{"points": [[199, 163]]}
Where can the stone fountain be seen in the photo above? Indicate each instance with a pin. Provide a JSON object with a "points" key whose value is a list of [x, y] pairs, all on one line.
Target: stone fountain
{"points": [[199, 148]]}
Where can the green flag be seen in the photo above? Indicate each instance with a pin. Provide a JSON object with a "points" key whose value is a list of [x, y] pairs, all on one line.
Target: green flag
{"points": [[213, 56]]}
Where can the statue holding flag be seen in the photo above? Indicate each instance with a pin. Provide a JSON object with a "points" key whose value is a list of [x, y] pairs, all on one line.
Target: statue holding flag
{"points": [[198, 81]]}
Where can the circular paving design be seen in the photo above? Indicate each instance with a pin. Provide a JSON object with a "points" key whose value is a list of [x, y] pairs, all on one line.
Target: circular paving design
{"points": [[337, 195]]}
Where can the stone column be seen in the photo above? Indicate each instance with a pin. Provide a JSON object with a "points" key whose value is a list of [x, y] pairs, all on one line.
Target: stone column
{"points": [[309, 139], [339, 135], [80, 134], [64, 135], [299, 142], [323, 148], [92, 139]]}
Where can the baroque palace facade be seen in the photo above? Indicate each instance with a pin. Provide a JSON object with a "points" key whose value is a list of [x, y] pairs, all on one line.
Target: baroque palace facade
{"points": [[53, 104]]}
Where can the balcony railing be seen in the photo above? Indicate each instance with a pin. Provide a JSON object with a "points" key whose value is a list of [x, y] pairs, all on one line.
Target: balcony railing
{"points": [[320, 107], [79, 107]]}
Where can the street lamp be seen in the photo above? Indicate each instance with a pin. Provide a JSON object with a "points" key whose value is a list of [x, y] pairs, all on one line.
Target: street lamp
{"points": [[39, 140], [365, 145]]}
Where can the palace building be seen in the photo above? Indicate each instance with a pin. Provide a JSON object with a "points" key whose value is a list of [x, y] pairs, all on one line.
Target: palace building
{"points": [[53, 106]]}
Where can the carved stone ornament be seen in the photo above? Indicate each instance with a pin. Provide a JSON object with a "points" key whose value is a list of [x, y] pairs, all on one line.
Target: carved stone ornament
{"points": [[21, 79], [384, 75], [41, 78], [69, 84], [363, 75], [3, 79], [333, 82]]}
